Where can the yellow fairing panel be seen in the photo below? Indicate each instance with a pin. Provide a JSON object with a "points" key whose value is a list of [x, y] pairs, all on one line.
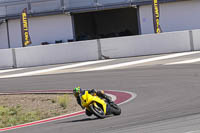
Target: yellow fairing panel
{"points": [[87, 99]]}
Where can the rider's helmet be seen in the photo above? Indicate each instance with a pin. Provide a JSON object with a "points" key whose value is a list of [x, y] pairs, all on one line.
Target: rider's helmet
{"points": [[77, 91]]}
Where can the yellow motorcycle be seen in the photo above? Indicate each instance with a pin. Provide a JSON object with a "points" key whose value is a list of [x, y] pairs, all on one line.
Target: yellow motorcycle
{"points": [[98, 106]]}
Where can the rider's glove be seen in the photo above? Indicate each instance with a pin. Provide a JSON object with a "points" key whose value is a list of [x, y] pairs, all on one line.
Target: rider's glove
{"points": [[92, 91]]}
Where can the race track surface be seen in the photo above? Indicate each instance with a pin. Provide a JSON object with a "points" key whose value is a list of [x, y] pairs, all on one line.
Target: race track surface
{"points": [[168, 97]]}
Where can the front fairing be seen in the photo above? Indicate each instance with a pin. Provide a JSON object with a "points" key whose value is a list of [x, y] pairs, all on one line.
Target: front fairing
{"points": [[87, 99]]}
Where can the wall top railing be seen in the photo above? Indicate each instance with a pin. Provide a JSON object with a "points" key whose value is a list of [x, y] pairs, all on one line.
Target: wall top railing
{"points": [[13, 8]]}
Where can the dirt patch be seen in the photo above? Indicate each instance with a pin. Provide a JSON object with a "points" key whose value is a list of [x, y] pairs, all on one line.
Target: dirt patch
{"points": [[41, 105]]}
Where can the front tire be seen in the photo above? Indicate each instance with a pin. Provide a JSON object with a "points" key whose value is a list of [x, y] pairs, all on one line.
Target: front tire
{"points": [[115, 109], [97, 111]]}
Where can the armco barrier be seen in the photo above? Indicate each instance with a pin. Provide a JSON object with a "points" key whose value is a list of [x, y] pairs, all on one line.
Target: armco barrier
{"points": [[196, 39], [6, 58], [146, 44], [56, 53]]}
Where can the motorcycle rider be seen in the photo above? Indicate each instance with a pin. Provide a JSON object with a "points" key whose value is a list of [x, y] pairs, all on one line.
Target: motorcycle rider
{"points": [[77, 91]]}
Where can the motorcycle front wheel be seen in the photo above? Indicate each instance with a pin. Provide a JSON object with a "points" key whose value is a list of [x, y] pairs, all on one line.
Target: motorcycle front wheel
{"points": [[97, 111], [115, 109]]}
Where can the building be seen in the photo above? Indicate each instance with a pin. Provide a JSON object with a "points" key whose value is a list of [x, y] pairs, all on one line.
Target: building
{"points": [[55, 21]]}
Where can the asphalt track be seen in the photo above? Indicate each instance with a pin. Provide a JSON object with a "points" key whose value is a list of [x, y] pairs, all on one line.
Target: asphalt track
{"points": [[168, 99]]}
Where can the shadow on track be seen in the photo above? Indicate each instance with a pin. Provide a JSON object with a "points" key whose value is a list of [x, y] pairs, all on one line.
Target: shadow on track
{"points": [[80, 120]]}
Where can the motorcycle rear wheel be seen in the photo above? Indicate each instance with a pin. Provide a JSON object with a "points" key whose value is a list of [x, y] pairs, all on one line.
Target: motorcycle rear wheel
{"points": [[97, 111]]}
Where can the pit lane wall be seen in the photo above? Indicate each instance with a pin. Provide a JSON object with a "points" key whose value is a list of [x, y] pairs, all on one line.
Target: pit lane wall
{"points": [[146, 44], [93, 49], [196, 39], [56, 53], [6, 58]]}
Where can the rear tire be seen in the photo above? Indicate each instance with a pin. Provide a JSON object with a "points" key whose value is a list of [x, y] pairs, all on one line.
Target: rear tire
{"points": [[98, 112]]}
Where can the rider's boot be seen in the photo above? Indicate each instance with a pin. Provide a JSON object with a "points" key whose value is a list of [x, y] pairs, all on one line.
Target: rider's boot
{"points": [[108, 98], [103, 95]]}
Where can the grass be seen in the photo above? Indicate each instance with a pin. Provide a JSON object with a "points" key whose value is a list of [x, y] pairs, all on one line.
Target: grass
{"points": [[10, 116], [63, 101], [20, 109]]}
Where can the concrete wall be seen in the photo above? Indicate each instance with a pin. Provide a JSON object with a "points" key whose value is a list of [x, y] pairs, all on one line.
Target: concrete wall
{"points": [[196, 39], [57, 53], [90, 50], [146, 44], [174, 16], [6, 58], [42, 29]]}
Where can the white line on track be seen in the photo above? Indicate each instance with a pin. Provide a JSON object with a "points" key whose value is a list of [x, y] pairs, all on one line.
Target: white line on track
{"points": [[10, 70], [184, 62], [54, 69], [198, 131], [140, 61]]}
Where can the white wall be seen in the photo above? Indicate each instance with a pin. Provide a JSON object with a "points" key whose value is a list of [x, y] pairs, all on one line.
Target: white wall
{"points": [[42, 29], [2, 11], [174, 16], [146, 44], [15, 33], [57, 53], [50, 28], [3, 36]]}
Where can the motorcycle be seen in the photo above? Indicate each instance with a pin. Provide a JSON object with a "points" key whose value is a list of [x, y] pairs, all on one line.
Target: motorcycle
{"points": [[98, 106]]}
